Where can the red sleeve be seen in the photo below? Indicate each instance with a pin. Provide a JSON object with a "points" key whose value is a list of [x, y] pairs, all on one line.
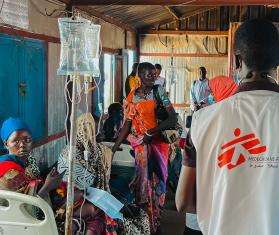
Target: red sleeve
{"points": [[9, 165]]}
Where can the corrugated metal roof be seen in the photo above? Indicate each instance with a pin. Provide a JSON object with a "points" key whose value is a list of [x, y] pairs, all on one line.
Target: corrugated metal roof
{"points": [[143, 16], [200, 18]]}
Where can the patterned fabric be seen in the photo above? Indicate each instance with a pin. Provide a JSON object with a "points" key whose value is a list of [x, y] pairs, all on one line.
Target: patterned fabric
{"points": [[88, 173], [9, 165], [94, 223], [149, 184], [137, 226], [82, 177], [131, 226], [15, 177], [19, 177], [98, 168]]}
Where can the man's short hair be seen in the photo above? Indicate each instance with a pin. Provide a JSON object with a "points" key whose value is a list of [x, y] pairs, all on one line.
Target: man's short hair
{"points": [[158, 66], [203, 69], [257, 43]]}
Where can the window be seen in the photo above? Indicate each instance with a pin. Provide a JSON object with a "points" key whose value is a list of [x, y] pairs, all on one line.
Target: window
{"points": [[109, 75], [15, 12], [131, 60]]}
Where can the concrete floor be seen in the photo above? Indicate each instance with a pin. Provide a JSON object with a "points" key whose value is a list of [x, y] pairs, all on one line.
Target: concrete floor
{"points": [[172, 222]]}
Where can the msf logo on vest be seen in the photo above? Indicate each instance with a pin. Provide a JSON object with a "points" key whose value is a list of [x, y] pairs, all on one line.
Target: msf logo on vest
{"points": [[249, 142]]}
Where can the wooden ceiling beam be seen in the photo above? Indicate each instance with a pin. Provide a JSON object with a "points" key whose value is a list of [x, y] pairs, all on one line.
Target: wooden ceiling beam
{"points": [[173, 2], [183, 32]]}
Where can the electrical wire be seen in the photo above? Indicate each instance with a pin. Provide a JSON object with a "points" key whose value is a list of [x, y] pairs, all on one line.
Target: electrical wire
{"points": [[79, 91], [98, 99], [67, 97], [67, 109], [46, 14], [165, 45]]}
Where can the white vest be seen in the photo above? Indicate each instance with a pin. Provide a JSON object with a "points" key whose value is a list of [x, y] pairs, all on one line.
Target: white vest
{"points": [[238, 193]]}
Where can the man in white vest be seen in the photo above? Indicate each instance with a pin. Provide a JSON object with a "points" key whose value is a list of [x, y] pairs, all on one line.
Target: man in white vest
{"points": [[232, 153]]}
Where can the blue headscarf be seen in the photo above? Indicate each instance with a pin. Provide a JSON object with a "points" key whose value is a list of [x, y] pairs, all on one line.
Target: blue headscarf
{"points": [[11, 125]]}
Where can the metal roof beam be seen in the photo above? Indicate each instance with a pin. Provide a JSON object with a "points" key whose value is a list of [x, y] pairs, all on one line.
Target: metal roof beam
{"points": [[172, 12], [183, 32], [173, 2], [92, 12], [184, 16]]}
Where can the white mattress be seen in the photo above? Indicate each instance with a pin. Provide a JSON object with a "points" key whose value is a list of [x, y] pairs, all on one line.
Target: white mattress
{"points": [[122, 158]]}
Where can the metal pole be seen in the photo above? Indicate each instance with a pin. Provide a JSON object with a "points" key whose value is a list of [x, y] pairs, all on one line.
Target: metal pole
{"points": [[70, 183]]}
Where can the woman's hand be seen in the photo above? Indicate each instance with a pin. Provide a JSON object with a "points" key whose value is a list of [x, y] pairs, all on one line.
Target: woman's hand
{"points": [[122, 136], [53, 179], [52, 182]]}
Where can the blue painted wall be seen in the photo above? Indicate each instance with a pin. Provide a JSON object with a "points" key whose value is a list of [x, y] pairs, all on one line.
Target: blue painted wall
{"points": [[22, 82]]}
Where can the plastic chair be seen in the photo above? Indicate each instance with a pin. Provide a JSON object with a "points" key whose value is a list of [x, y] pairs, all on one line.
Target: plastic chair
{"points": [[15, 220]]}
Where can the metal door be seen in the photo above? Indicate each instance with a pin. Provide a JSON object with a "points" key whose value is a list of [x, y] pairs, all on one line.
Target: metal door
{"points": [[22, 81]]}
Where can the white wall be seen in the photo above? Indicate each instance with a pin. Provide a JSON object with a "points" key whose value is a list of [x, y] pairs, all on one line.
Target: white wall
{"points": [[186, 67]]}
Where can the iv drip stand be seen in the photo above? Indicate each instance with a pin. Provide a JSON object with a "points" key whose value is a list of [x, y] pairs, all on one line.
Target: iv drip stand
{"points": [[70, 183]]}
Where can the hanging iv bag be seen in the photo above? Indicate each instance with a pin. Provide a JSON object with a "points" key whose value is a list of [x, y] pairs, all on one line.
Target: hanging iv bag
{"points": [[79, 53]]}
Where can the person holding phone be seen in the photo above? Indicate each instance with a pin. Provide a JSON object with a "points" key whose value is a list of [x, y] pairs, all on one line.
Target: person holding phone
{"points": [[19, 171]]}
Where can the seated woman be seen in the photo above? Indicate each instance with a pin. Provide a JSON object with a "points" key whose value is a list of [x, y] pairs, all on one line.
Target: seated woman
{"points": [[92, 169], [92, 172], [18, 169], [113, 123]]}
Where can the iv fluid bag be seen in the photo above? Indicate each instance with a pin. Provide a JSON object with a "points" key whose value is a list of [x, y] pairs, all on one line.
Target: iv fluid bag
{"points": [[79, 47]]}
